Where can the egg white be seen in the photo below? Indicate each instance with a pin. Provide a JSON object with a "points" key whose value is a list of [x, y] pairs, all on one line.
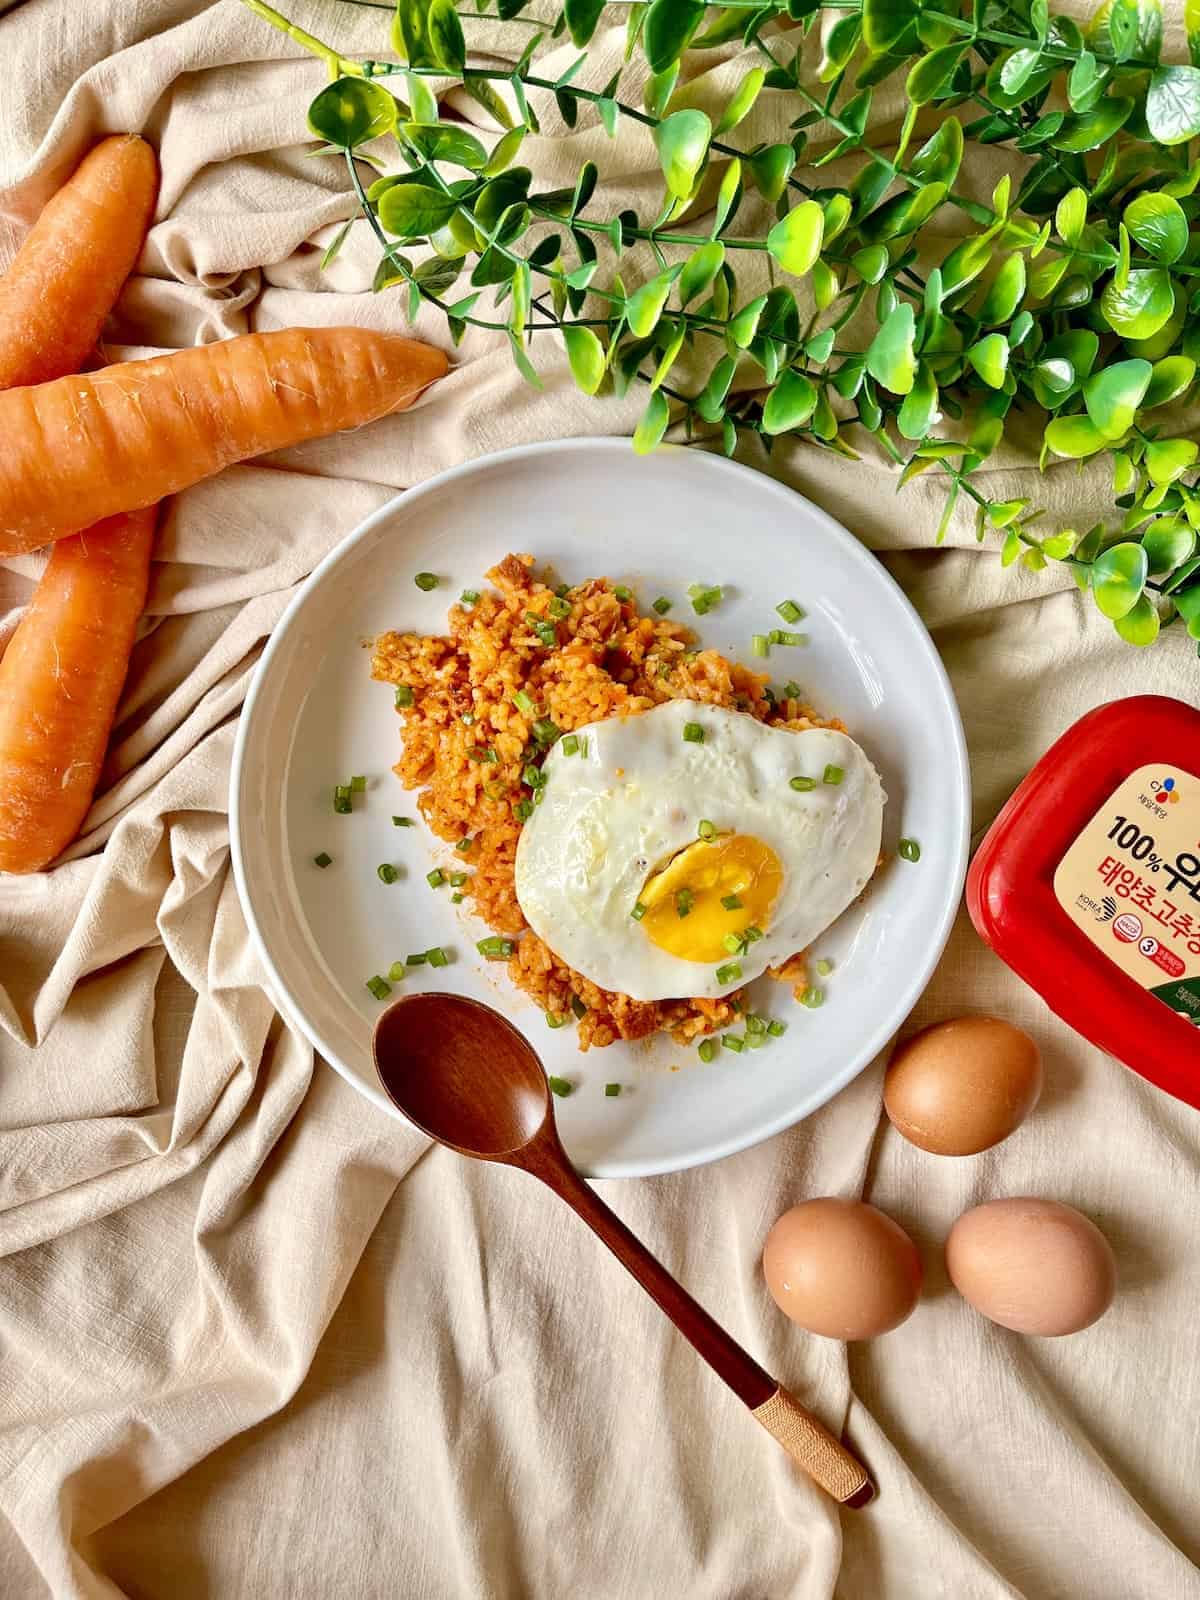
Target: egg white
{"points": [[611, 816]]}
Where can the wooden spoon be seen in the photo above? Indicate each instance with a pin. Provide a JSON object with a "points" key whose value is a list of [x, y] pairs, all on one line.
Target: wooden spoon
{"points": [[468, 1079]]}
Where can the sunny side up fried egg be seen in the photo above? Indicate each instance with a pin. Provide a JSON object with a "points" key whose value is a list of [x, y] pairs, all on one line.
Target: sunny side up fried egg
{"points": [[680, 852]]}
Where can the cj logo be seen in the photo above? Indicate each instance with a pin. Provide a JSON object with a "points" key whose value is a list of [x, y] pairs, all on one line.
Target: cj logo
{"points": [[1165, 791]]}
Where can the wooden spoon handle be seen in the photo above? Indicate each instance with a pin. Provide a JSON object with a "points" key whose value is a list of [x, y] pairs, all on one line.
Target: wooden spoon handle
{"points": [[807, 1441]]}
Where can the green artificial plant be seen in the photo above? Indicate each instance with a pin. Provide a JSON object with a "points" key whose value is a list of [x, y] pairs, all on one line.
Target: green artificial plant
{"points": [[1073, 296]]}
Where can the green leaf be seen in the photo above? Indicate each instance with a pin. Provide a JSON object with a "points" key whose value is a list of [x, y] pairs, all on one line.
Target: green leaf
{"points": [[1059, 546], [839, 45], [1113, 395], [891, 360], [504, 152], [918, 412], [351, 111], [481, 91], [1118, 578], [838, 211], [412, 211], [682, 141], [1173, 104], [668, 357], [710, 402], [795, 242], [1005, 294], [1159, 225], [1168, 543], [523, 364], [820, 347], [889, 25], [668, 27], [660, 86], [871, 263], [437, 275], [609, 115], [1170, 377], [1074, 437], [790, 403], [699, 270], [965, 262], [1084, 83], [1168, 459], [1070, 218], [825, 291], [1191, 21], [1011, 548], [990, 359], [1002, 513], [645, 306], [938, 160], [744, 325], [445, 34], [728, 195], [1140, 624], [1143, 306], [771, 168], [586, 355], [335, 245], [654, 418], [582, 17], [931, 74], [1187, 603], [741, 100], [445, 142], [903, 214], [1094, 128]]}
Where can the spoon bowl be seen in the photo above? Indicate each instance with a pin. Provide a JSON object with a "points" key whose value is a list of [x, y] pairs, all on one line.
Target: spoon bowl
{"points": [[465, 1076]]}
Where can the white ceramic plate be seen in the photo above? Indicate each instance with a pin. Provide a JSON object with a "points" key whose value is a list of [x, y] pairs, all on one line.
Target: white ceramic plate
{"points": [[591, 507]]}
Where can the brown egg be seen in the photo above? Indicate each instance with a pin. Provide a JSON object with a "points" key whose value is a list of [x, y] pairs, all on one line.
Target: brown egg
{"points": [[1036, 1266], [962, 1086], [842, 1268]]}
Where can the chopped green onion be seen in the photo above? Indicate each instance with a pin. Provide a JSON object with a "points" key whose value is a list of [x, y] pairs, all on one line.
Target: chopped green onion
{"points": [[803, 785], [756, 1040], [731, 902], [387, 872], [736, 1003], [396, 972], [729, 973], [532, 776], [611, 1091], [704, 598], [570, 744], [417, 959], [662, 605], [426, 581], [789, 610], [465, 843], [832, 774], [379, 987], [760, 645], [639, 911], [708, 1049], [402, 822], [559, 608], [523, 810], [755, 1024], [404, 695], [469, 597], [547, 634], [523, 703], [438, 957], [539, 795], [495, 947], [342, 804], [683, 902], [560, 1086], [456, 899], [358, 784], [479, 752], [824, 968], [693, 733], [622, 592], [731, 1041], [777, 1029], [909, 850], [457, 879], [812, 998], [792, 690], [733, 944], [751, 933], [578, 1007], [545, 731], [583, 744], [707, 830], [556, 1019], [436, 878], [562, 591], [323, 860], [779, 636]]}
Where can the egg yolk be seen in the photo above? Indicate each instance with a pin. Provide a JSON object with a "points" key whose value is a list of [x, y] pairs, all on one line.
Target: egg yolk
{"points": [[684, 911]]}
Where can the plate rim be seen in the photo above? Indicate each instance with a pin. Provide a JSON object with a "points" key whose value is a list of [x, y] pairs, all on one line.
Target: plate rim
{"points": [[866, 560]]}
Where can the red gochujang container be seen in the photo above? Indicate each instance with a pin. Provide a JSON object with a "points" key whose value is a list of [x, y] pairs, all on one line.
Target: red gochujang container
{"points": [[1088, 885]]}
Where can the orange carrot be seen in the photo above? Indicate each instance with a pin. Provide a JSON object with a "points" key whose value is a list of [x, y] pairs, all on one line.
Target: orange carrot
{"points": [[66, 277], [84, 448], [60, 680]]}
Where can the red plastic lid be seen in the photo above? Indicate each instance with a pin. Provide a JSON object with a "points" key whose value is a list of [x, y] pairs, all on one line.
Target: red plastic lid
{"points": [[1088, 885]]}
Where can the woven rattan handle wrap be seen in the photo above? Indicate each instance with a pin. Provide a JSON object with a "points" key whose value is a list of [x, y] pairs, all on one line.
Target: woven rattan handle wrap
{"points": [[813, 1447]]}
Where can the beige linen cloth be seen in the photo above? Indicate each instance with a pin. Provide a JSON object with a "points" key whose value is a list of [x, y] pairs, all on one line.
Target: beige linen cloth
{"points": [[255, 1340]]}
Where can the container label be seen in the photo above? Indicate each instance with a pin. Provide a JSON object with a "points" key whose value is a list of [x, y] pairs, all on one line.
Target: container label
{"points": [[1131, 883]]}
